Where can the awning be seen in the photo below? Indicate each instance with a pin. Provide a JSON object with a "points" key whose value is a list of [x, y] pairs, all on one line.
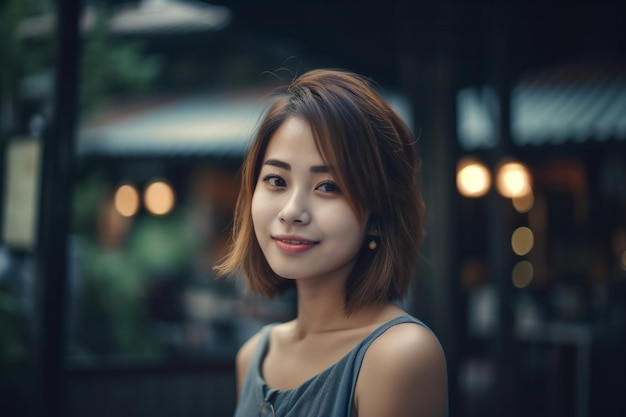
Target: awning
{"points": [[148, 17], [576, 103], [216, 125], [208, 124]]}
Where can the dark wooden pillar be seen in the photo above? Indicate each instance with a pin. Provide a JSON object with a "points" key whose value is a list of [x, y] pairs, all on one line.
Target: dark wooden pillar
{"points": [[429, 77], [54, 222], [499, 256]]}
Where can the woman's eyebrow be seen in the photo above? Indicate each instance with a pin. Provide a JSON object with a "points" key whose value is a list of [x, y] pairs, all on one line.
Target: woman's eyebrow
{"points": [[316, 169], [319, 169], [277, 163]]}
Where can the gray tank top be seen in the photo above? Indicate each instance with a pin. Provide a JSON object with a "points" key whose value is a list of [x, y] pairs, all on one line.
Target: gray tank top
{"points": [[328, 394]]}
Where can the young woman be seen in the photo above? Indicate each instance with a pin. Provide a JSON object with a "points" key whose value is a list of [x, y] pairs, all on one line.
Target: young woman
{"points": [[330, 205]]}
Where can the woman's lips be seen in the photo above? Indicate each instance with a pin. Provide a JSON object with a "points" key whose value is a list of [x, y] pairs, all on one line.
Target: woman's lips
{"points": [[293, 244]]}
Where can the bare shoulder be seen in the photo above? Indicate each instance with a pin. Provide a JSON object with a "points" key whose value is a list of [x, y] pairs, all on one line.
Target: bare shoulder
{"points": [[403, 374], [409, 350], [415, 342]]}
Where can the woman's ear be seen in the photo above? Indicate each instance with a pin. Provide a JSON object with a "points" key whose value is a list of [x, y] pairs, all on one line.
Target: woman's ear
{"points": [[372, 226], [372, 231], [372, 236]]}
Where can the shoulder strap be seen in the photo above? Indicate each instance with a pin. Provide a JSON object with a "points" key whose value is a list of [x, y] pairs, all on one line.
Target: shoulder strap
{"points": [[362, 348], [261, 350], [265, 338], [386, 326]]}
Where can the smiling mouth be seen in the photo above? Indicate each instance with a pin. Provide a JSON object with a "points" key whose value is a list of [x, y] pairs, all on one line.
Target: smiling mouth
{"points": [[294, 246], [296, 242]]}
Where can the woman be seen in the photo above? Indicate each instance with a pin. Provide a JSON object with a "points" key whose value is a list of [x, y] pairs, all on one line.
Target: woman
{"points": [[330, 205]]}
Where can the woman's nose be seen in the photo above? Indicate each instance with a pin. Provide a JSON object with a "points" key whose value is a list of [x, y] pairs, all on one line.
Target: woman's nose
{"points": [[295, 210]]}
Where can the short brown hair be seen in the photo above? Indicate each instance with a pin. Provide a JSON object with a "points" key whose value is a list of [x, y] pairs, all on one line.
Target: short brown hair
{"points": [[370, 151]]}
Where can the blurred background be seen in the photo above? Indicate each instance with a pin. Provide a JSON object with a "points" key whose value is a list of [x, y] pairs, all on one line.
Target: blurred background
{"points": [[123, 125]]}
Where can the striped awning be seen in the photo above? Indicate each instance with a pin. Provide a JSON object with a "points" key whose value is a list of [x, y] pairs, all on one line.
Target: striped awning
{"points": [[585, 102]]}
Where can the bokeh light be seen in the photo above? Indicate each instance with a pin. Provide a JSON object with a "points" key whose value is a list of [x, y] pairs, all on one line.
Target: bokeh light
{"points": [[524, 203], [522, 240], [159, 198], [522, 274], [513, 180], [472, 178], [126, 200]]}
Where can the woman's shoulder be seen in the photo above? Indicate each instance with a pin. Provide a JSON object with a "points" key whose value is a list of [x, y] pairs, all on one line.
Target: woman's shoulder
{"points": [[403, 373], [406, 337]]}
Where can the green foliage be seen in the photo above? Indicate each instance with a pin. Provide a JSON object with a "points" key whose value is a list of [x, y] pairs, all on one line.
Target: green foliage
{"points": [[113, 67], [17, 58], [115, 282], [112, 295], [86, 200], [162, 245], [108, 66]]}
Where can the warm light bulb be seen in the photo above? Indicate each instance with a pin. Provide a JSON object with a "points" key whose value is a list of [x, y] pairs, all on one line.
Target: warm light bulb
{"points": [[522, 240], [472, 178], [513, 180], [159, 198], [524, 203], [126, 200], [522, 274]]}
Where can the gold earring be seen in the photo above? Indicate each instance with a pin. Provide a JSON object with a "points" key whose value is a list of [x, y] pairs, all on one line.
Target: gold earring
{"points": [[372, 245]]}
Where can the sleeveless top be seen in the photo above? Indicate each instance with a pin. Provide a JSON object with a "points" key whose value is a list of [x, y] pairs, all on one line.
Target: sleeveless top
{"points": [[328, 394]]}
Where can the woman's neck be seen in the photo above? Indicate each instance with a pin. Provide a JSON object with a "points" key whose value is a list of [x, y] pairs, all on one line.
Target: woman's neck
{"points": [[321, 309]]}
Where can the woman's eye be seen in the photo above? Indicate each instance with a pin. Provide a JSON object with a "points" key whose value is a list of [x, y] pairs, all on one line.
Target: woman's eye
{"points": [[329, 187], [274, 181]]}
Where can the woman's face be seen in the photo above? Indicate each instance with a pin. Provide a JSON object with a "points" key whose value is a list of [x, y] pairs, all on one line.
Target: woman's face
{"points": [[302, 220]]}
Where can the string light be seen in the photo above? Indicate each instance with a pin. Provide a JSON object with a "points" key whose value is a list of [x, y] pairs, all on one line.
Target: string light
{"points": [[524, 203], [159, 198], [513, 180], [126, 200], [522, 240], [472, 178], [522, 274]]}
